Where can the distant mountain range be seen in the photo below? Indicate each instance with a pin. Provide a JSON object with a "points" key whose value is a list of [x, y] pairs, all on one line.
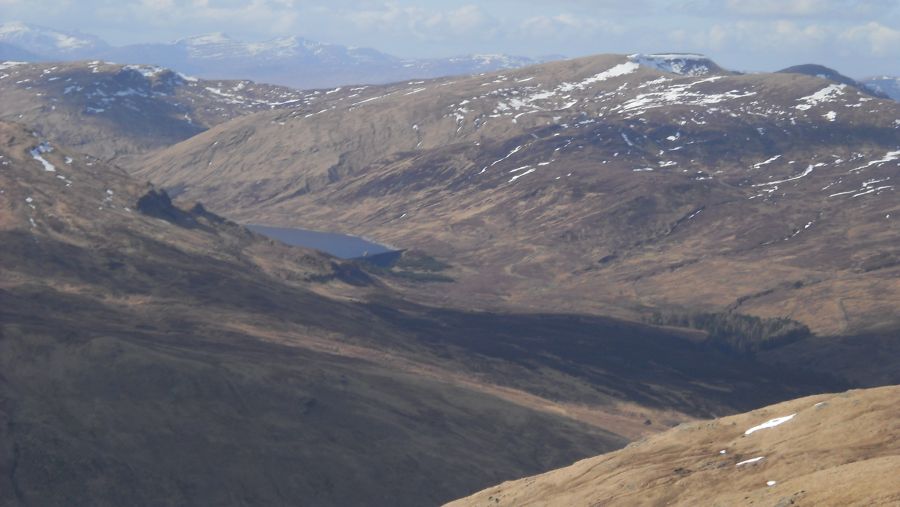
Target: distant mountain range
{"points": [[289, 61], [888, 85]]}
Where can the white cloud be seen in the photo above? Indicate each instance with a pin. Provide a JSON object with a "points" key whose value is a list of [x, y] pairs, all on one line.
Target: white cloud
{"points": [[829, 11], [157, 5], [755, 35], [434, 25], [270, 16], [782, 7], [877, 38], [564, 25]]}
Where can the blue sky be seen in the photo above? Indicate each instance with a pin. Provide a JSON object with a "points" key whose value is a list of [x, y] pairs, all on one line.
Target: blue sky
{"points": [[858, 37]]}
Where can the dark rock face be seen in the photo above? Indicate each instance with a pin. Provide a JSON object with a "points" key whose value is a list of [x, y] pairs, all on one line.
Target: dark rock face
{"points": [[200, 211], [158, 204]]}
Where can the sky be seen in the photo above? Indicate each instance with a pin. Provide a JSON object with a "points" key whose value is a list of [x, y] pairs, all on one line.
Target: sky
{"points": [[857, 37]]}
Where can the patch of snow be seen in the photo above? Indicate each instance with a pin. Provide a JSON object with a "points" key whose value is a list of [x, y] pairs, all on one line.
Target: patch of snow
{"points": [[681, 94], [147, 71], [770, 424], [370, 99], [751, 460], [889, 157], [10, 64], [771, 483], [827, 94], [616, 71], [805, 173], [36, 153], [684, 64], [513, 152], [514, 178], [766, 162]]}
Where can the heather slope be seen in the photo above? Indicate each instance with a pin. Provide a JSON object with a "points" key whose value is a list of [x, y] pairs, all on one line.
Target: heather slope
{"points": [[155, 354], [835, 449]]}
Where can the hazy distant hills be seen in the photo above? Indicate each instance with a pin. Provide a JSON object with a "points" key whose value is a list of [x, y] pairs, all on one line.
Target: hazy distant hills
{"points": [[9, 52], [289, 61], [49, 43], [888, 85]]}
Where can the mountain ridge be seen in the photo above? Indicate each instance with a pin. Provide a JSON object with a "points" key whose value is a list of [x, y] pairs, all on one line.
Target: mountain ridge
{"points": [[833, 75], [598, 162], [113, 110]]}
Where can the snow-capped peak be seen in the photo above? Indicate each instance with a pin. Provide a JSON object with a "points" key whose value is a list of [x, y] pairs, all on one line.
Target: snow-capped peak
{"points": [[13, 27], [489, 61], [46, 41], [686, 64], [220, 46], [206, 39], [282, 47]]}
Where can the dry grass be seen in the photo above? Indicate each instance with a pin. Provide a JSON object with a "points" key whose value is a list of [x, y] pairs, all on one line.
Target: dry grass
{"points": [[840, 449]]}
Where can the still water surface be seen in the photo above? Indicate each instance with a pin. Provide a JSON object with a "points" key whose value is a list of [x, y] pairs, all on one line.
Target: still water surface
{"points": [[339, 245]]}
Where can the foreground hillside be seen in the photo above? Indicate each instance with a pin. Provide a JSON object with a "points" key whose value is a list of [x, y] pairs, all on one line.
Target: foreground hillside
{"points": [[610, 184], [835, 449], [167, 355]]}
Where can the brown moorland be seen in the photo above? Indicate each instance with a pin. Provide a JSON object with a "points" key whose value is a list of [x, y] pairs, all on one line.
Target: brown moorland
{"points": [[156, 355], [829, 450]]}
